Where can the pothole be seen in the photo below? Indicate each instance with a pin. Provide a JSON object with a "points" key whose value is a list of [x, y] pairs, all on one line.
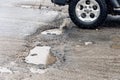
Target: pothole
{"points": [[47, 47]]}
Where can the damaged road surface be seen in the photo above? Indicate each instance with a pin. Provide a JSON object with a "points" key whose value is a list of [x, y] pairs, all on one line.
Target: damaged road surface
{"points": [[28, 41], [82, 54]]}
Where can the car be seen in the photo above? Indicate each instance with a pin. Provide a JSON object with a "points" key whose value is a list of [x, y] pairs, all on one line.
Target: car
{"points": [[90, 14]]}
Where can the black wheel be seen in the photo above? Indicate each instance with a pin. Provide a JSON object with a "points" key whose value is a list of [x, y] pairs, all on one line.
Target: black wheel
{"points": [[88, 13]]}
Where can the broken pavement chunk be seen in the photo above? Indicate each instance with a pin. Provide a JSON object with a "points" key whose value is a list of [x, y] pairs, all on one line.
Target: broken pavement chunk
{"points": [[40, 55]]}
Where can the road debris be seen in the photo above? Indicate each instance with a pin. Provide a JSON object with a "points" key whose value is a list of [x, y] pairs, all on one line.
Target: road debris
{"points": [[5, 70], [40, 55]]}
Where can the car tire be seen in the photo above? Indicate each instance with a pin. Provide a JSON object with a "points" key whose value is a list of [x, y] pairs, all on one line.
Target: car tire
{"points": [[88, 17]]}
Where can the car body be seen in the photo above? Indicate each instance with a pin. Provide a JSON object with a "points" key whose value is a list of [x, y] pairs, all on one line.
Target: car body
{"points": [[97, 15]]}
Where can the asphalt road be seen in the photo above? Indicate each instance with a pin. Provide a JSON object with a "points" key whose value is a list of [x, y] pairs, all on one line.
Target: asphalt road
{"points": [[97, 61]]}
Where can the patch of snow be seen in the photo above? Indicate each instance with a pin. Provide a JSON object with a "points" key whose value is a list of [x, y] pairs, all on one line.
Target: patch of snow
{"points": [[5, 70], [39, 71], [52, 32], [38, 55]]}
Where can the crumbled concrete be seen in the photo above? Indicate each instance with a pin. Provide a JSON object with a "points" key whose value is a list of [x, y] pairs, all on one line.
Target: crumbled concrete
{"points": [[40, 55]]}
